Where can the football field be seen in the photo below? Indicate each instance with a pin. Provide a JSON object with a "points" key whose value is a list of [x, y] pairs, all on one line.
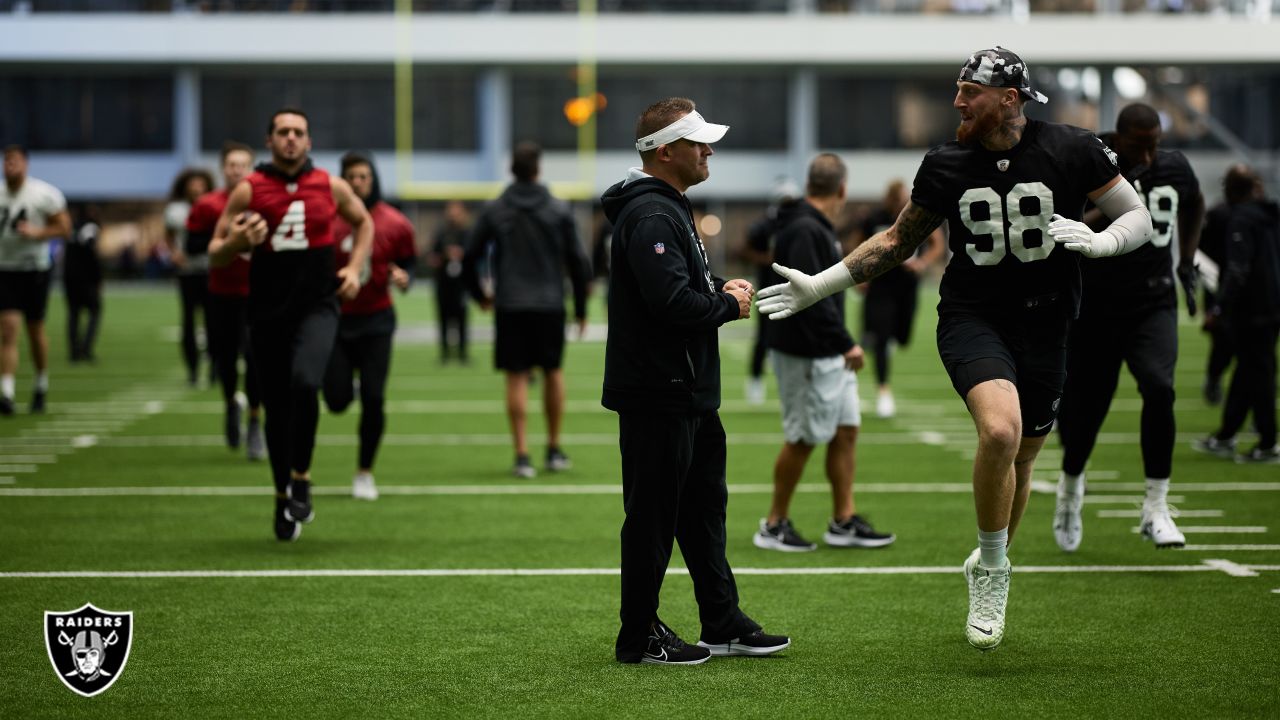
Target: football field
{"points": [[464, 592]]}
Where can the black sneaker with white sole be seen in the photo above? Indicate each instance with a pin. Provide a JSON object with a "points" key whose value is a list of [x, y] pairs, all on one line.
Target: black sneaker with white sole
{"points": [[299, 507], [1213, 445], [855, 532], [286, 529], [666, 648], [755, 644], [1260, 456], [780, 536]]}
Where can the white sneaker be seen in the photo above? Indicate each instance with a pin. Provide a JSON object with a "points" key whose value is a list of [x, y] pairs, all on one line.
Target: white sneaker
{"points": [[755, 391], [1068, 527], [1158, 526], [988, 595], [363, 488], [885, 406]]}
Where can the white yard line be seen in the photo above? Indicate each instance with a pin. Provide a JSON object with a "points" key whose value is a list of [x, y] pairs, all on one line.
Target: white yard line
{"points": [[1224, 566], [1233, 548], [1218, 529], [1181, 513]]}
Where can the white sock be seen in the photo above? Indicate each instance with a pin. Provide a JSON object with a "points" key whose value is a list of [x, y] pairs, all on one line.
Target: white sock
{"points": [[994, 547], [42, 382], [6, 386], [1157, 491], [1071, 484], [364, 476]]}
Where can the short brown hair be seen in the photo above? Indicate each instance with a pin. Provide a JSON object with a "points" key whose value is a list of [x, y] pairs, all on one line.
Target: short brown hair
{"points": [[271, 124], [231, 146], [525, 160], [827, 174], [661, 114]]}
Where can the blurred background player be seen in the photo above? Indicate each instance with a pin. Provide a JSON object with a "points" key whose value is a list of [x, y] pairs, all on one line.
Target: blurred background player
{"points": [[533, 244], [1213, 246], [368, 322], [1248, 306], [1011, 189], [32, 212], [758, 250], [1129, 315], [889, 310], [192, 264], [816, 361], [82, 283], [445, 258], [227, 323], [283, 212]]}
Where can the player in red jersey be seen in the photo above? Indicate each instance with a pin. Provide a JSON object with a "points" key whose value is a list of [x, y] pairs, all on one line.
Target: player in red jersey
{"points": [[228, 305], [283, 214], [368, 322]]}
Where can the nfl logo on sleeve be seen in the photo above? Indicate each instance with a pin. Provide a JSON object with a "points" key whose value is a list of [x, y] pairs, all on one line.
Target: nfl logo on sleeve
{"points": [[88, 647], [659, 248]]}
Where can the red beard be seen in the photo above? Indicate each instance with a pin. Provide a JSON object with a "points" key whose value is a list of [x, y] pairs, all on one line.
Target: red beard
{"points": [[977, 128]]}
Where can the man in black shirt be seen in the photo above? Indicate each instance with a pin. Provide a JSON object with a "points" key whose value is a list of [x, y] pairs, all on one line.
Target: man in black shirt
{"points": [[1011, 189], [816, 361], [662, 377], [445, 258], [1129, 314]]}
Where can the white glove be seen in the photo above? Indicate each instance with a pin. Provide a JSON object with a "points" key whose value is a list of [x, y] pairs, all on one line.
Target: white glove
{"points": [[801, 290], [1076, 236]]}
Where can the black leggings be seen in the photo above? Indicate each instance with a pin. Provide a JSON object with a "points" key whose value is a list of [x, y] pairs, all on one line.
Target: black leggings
{"points": [[194, 291], [228, 331], [291, 356], [1253, 385], [81, 344], [370, 356]]}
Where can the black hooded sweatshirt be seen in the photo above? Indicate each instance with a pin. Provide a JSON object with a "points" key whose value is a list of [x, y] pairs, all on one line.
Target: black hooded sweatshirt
{"points": [[534, 241], [665, 306], [1250, 291], [807, 242]]}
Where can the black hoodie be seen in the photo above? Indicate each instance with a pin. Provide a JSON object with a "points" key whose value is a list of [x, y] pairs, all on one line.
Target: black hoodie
{"points": [[534, 241], [1250, 290], [665, 306], [807, 242]]}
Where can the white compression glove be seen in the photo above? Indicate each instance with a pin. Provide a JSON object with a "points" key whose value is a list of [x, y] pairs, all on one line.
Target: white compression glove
{"points": [[1130, 227], [801, 290]]}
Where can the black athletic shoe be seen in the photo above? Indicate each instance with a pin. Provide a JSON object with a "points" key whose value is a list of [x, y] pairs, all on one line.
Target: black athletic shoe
{"points": [[756, 644], [6, 406], [299, 507], [557, 461], [1213, 446], [37, 402], [231, 425], [666, 648], [780, 536], [1260, 456], [855, 532], [286, 529]]}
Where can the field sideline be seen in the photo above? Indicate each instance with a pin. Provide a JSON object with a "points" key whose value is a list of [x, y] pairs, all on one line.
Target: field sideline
{"points": [[464, 592]]}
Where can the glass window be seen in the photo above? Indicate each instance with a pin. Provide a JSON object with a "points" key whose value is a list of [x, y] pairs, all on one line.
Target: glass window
{"points": [[61, 112]]}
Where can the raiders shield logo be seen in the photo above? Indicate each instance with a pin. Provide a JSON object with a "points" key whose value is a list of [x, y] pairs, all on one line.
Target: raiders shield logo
{"points": [[88, 647], [1002, 165]]}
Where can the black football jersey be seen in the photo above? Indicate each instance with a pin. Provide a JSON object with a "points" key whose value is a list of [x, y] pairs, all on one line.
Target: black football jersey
{"points": [[1144, 278], [998, 207]]}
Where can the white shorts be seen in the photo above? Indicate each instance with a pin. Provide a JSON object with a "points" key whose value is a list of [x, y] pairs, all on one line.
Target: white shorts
{"points": [[818, 395]]}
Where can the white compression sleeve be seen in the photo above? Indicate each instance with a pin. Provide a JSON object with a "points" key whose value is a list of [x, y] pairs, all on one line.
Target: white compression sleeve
{"points": [[1130, 221]]}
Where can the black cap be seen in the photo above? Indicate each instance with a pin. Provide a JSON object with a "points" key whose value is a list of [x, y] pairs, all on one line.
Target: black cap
{"points": [[998, 67]]}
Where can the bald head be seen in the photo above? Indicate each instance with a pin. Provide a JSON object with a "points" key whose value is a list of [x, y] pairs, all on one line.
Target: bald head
{"points": [[827, 174]]}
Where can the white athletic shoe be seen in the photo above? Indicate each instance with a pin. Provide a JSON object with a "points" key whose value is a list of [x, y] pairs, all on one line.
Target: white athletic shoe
{"points": [[363, 487], [1068, 527], [988, 595], [885, 406], [1158, 526], [755, 391]]}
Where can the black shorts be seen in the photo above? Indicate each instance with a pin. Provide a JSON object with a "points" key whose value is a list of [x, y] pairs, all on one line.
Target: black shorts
{"points": [[889, 312], [524, 340], [25, 290], [1027, 347]]}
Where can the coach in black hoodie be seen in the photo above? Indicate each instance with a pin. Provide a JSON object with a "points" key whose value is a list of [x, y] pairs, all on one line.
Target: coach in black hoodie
{"points": [[662, 377]]}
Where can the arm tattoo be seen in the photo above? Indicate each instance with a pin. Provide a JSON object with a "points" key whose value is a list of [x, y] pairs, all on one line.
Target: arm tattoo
{"points": [[892, 247]]}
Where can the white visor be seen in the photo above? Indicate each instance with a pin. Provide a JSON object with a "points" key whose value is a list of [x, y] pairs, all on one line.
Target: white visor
{"points": [[691, 127]]}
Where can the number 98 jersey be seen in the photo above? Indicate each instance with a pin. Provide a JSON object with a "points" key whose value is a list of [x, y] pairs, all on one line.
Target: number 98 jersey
{"points": [[998, 206]]}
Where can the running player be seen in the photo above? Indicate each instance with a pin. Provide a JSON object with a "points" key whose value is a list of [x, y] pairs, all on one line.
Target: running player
{"points": [[227, 321], [1129, 314], [368, 321], [1010, 189], [283, 213], [32, 212]]}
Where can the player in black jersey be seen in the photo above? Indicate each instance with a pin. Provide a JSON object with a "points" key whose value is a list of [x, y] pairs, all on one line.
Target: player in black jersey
{"points": [[1012, 191], [1129, 314]]}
